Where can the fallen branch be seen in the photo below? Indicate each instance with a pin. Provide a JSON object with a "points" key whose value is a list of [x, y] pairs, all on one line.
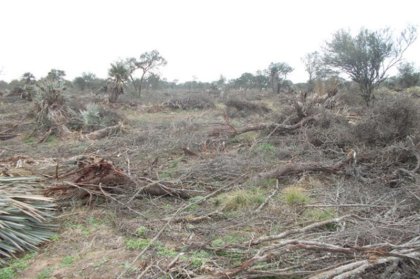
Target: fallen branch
{"points": [[197, 219], [105, 132], [346, 205], [296, 168], [278, 127], [355, 268], [158, 188], [298, 230], [375, 257], [268, 198], [5, 136]]}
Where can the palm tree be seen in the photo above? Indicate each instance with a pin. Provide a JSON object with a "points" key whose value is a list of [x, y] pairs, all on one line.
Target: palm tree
{"points": [[28, 80], [118, 77]]}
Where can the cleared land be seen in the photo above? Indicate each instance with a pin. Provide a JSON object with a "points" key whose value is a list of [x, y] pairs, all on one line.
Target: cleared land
{"points": [[252, 185]]}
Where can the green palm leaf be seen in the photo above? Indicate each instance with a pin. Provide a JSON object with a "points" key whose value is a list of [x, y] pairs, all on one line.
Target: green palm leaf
{"points": [[25, 216]]}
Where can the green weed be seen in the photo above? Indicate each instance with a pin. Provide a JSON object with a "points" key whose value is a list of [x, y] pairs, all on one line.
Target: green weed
{"points": [[137, 244], [240, 199], [16, 266], [45, 273], [199, 258], [141, 231], [294, 196], [67, 261]]}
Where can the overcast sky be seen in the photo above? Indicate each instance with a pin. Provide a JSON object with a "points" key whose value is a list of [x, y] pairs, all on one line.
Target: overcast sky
{"points": [[201, 38]]}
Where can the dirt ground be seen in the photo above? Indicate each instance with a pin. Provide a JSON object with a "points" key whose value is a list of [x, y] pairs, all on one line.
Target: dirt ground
{"points": [[302, 199]]}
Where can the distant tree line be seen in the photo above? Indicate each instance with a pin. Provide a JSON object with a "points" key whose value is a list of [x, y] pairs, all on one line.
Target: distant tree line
{"points": [[364, 58]]}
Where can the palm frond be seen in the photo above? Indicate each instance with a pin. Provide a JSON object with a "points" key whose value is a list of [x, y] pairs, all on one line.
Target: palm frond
{"points": [[25, 216]]}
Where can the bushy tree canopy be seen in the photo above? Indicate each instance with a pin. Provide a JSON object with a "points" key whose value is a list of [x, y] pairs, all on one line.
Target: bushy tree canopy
{"points": [[368, 56]]}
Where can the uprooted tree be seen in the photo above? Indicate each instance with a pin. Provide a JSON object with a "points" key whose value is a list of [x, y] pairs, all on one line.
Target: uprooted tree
{"points": [[368, 56]]}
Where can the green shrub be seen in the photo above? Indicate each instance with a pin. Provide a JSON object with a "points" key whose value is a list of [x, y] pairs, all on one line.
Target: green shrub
{"points": [[240, 199], [294, 196]]}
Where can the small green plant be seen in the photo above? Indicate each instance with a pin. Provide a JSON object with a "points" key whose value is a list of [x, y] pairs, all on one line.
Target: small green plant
{"points": [[239, 199], [52, 139], [55, 237], [164, 251], [129, 267], [199, 258], [227, 239], [234, 238], [218, 243], [29, 140], [45, 273], [266, 148], [318, 214], [67, 261], [141, 231], [7, 273], [16, 266], [91, 116], [137, 244], [294, 196], [96, 222]]}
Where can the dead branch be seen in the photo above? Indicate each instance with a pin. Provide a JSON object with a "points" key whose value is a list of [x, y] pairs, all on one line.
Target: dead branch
{"points": [[346, 205], [298, 230], [268, 198], [358, 267], [295, 168], [375, 257], [299, 109], [105, 132], [6, 136], [160, 188], [197, 219], [278, 127]]}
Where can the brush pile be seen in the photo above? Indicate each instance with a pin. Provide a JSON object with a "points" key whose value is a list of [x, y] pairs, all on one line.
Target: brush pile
{"points": [[93, 178]]}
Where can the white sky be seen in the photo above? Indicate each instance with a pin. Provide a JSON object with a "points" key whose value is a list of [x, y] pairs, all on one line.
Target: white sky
{"points": [[201, 38]]}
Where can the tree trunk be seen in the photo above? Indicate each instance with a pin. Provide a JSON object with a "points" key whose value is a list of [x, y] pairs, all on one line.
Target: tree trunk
{"points": [[141, 83], [133, 81], [113, 96]]}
